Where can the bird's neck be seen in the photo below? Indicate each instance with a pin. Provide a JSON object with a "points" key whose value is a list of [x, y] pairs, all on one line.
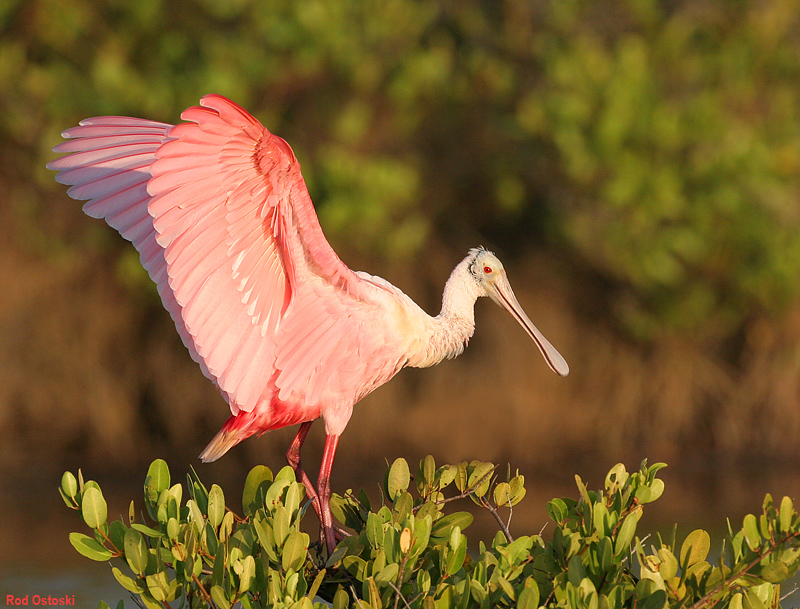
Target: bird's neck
{"points": [[451, 329]]}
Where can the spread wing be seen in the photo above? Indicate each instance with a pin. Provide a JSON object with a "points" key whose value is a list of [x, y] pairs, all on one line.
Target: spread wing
{"points": [[220, 214]]}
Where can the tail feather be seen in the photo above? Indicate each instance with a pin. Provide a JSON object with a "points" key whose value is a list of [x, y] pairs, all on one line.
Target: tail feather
{"points": [[229, 436]]}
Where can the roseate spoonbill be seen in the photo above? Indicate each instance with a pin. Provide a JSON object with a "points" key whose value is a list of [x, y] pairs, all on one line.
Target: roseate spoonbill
{"points": [[222, 220]]}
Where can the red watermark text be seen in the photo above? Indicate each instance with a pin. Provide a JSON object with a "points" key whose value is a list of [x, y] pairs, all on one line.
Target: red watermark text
{"points": [[37, 600]]}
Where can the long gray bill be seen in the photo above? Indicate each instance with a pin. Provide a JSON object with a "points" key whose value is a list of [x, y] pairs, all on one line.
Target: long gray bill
{"points": [[503, 295]]}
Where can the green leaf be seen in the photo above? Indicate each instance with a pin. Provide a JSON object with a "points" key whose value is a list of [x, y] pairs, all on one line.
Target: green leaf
{"points": [[616, 478], [387, 574], [445, 475], [116, 533], [403, 505], [668, 568], [126, 582], [785, 515], [656, 600], [274, 494], [70, 503], [529, 597], [751, 534], [372, 592], [88, 547], [481, 478], [280, 524], [158, 585], [557, 510], [266, 537], [136, 552], [502, 494], [458, 555], [751, 600], [341, 599], [695, 547], [517, 488], [583, 491], [398, 478], [312, 592], [626, 533], [195, 515], [247, 573], [600, 518], [150, 532], [356, 566], [158, 477], [440, 531], [337, 555], [374, 530], [775, 572], [219, 597], [69, 485], [422, 533], [226, 527], [294, 495], [478, 592], [93, 508], [295, 550], [255, 487], [576, 570], [216, 506], [427, 473]]}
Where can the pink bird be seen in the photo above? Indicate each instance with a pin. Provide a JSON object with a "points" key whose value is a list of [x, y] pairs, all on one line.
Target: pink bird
{"points": [[220, 215]]}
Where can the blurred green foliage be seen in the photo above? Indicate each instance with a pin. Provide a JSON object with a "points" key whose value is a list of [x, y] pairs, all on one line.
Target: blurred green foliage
{"points": [[410, 553], [656, 143]]}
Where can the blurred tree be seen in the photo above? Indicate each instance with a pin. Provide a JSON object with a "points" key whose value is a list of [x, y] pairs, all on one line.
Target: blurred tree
{"points": [[659, 141]]}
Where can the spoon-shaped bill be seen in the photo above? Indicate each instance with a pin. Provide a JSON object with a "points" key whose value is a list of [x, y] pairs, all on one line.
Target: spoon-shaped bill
{"points": [[500, 291]]}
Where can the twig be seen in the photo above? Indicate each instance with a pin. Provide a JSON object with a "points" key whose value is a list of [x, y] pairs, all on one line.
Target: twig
{"points": [[504, 526], [399, 596], [705, 599], [355, 596], [544, 526], [789, 593], [400, 579], [493, 512], [468, 491]]}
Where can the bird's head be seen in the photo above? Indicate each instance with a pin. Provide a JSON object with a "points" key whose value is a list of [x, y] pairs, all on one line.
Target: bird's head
{"points": [[488, 272]]}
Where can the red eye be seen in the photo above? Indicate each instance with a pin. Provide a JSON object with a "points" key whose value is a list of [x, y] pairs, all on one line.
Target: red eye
{"points": [[487, 269]]}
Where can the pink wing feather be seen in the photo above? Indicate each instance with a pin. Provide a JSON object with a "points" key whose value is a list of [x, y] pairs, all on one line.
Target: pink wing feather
{"points": [[220, 214]]}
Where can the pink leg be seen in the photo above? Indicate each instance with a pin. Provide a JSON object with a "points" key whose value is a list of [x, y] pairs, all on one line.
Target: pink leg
{"points": [[324, 487], [293, 458]]}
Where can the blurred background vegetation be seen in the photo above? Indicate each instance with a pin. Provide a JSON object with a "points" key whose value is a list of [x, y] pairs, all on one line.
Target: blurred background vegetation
{"points": [[635, 163]]}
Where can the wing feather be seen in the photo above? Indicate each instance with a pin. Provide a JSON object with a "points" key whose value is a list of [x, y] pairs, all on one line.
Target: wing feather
{"points": [[221, 217], [123, 204]]}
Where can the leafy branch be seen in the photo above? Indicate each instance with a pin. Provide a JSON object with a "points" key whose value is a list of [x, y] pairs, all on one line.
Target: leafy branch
{"points": [[410, 553]]}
